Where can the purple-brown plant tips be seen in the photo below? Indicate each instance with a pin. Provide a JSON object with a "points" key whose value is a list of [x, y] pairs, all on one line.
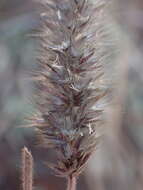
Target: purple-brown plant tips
{"points": [[70, 83]]}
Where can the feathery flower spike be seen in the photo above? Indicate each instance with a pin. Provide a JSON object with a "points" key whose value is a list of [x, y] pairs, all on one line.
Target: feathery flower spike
{"points": [[70, 82]]}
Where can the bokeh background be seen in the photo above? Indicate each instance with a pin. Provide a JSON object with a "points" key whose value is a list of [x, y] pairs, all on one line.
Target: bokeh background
{"points": [[119, 162]]}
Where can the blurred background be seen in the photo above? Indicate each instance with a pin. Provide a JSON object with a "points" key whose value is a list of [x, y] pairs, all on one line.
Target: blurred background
{"points": [[118, 164]]}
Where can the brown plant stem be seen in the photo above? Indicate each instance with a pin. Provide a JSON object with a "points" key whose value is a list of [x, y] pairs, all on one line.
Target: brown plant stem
{"points": [[71, 183], [27, 170]]}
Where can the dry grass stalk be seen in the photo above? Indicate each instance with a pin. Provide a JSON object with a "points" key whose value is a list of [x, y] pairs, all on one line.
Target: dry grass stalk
{"points": [[71, 183], [27, 170]]}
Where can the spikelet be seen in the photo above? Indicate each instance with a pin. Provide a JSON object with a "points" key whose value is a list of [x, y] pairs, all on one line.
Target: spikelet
{"points": [[70, 82]]}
